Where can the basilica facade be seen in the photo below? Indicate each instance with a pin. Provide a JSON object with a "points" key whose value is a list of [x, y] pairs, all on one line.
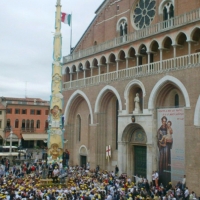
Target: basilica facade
{"points": [[132, 84]]}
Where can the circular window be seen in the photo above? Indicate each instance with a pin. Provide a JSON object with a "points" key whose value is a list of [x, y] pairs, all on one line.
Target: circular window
{"points": [[143, 13]]}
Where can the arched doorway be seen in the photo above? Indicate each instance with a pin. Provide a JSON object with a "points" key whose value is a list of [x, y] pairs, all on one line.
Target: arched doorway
{"points": [[134, 149], [83, 156]]}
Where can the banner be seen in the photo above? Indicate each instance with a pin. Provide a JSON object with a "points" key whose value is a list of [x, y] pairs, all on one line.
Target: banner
{"points": [[171, 145]]}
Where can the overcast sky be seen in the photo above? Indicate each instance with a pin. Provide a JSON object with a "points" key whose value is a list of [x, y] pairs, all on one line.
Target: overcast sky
{"points": [[26, 42]]}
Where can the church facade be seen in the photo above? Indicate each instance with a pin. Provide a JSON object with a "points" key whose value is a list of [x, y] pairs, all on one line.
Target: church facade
{"points": [[132, 83]]}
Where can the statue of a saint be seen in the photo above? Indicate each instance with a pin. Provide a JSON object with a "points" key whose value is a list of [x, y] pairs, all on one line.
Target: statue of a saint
{"points": [[137, 104]]}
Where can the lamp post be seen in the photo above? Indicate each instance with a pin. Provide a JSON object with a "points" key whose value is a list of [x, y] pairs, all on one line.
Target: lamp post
{"points": [[11, 134]]}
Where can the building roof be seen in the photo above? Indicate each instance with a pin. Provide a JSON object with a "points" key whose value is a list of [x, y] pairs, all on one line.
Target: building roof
{"points": [[21, 99], [96, 12], [2, 107]]}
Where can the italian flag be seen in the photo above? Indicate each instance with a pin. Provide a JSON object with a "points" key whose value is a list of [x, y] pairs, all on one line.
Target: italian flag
{"points": [[66, 18]]}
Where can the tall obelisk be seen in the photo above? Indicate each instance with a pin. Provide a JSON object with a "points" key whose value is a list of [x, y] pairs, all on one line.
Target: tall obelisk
{"points": [[55, 132]]}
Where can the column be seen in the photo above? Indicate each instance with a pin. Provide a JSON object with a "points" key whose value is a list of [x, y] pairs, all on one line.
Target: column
{"points": [[150, 161], [161, 57], [117, 68], [99, 72], [127, 66], [174, 46], [107, 70], [122, 157], [77, 74], [189, 52], [84, 75], [148, 53], [70, 79]]}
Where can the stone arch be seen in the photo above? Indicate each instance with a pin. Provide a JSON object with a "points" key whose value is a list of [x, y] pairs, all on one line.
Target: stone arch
{"points": [[128, 88], [161, 6], [94, 62], [178, 39], [119, 22], [193, 36], [121, 55], [70, 101], [83, 150], [165, 41], [100, 95], [126, 137], [160, 83], [197, 113]]}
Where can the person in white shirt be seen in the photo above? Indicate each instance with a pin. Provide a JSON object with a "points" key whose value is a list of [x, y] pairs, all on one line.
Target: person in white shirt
{"points": [[156, 178], [55, 175], [183, 182], [153, 178], [186, 193]]}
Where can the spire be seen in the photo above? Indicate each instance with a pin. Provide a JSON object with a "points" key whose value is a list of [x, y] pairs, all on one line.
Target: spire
{"points": [[58, 2]]}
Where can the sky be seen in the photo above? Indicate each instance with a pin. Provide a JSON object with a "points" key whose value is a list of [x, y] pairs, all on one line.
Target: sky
{"points": [[26, 42]]}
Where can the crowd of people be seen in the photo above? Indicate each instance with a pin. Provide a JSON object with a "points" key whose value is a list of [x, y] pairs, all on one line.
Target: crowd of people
{"points": [[25, 182]]}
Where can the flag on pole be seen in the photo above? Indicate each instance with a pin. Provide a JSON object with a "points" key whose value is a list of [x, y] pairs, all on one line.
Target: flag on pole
{"points": [[66, 18], [108, 151]]}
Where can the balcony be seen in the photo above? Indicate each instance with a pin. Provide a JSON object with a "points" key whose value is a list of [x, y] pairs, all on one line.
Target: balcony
{"points": [[7, 129], [173, 64], [28, 130], [160, 27]]}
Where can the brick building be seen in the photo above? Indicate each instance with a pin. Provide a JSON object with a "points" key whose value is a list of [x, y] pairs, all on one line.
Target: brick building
{"points": [[28, 118], [137, 59]]}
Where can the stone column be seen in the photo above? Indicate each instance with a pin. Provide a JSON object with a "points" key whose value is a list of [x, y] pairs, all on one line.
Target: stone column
{"points": [[174, 46], [71, 79], [77, 74], [189, 51], [122, 157], [148, 53], [99, 72], [117, 67], [107, 69], [150, 161], [161, 57], [127, 58]]}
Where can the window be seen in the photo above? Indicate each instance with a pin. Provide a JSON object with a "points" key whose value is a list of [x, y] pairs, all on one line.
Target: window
{"points": [[32, 112], [46, 124], [24, 111], [8, 123], [144, 13], [32, 123], [27, 123], [38, 124], [17, 111], [78, 123], [0, 123], [176, 101], [46, 112], [38, 112], [0, 112], [9, 111], [23, 124], [16, 123]]}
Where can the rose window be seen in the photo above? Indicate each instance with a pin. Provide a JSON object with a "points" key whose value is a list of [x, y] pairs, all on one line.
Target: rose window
{"points": [[144, 13]]}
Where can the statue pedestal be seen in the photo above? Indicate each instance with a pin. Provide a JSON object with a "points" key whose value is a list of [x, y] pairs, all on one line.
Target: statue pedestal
{"points": [[137, 111]]}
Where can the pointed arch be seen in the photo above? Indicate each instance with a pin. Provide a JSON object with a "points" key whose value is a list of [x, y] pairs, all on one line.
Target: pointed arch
{"points": [[70, 101], [100, 95], [160, 83]]}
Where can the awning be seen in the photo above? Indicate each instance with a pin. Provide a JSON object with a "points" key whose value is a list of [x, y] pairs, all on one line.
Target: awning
{"points": [[35, 136]]}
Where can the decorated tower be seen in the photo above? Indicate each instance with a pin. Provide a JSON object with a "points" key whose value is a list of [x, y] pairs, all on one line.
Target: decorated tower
{"points": [[55, 132]]}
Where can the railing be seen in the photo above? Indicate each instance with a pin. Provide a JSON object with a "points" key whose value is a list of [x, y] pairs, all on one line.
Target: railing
{"points": [[177, 63], [7, 129], [175, 22], [31, 130]]}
